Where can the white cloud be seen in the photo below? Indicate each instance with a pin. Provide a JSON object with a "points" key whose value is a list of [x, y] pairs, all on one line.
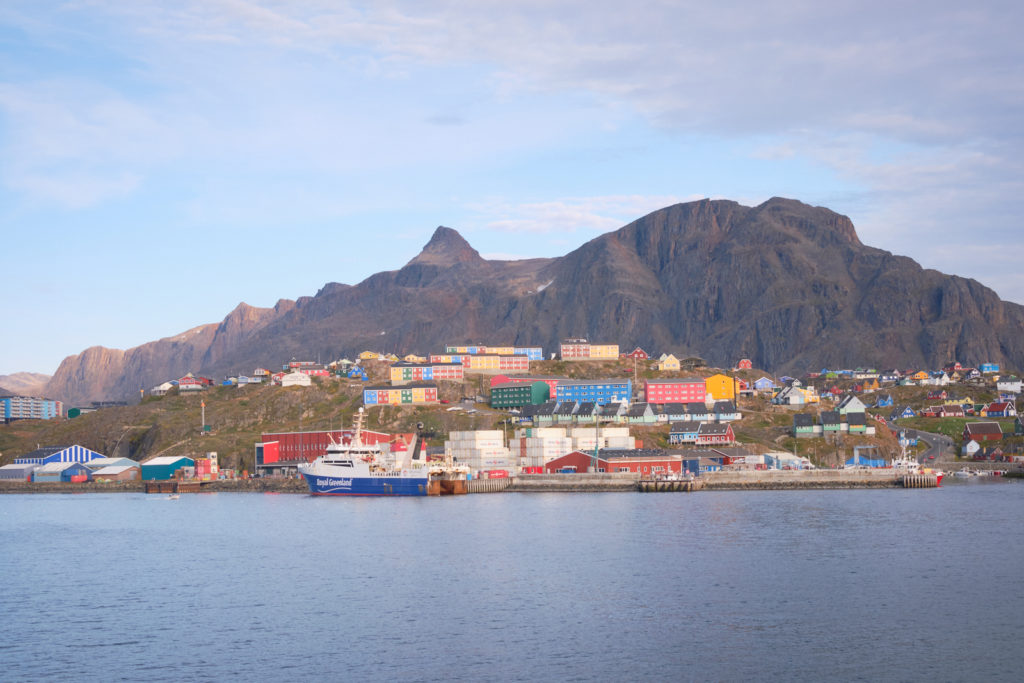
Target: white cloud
{"points": [[568, 215]]}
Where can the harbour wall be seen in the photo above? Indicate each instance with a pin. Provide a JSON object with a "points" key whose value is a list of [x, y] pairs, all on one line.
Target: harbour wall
{"points": [[612, 481], [800, 479]]}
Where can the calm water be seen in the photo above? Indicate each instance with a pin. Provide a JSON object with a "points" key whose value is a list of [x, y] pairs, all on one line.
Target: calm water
{"points": [[850, 585]]}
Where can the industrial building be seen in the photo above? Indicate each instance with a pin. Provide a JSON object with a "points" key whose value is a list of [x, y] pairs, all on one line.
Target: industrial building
{"points": [[50, 454], [165, 467]]}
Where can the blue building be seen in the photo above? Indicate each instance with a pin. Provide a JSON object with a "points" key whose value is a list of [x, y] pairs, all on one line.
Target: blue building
{"points": [[599, 391], [29, 408], [49, 454], [988, 367], [62, 472]]}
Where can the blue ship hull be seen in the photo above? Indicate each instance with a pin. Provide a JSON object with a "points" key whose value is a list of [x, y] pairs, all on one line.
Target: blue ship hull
{"points": [[320, 485]]}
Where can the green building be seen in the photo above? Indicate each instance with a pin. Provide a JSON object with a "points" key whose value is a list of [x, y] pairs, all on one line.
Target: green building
{"points": [[519, 394], [164, 467]]}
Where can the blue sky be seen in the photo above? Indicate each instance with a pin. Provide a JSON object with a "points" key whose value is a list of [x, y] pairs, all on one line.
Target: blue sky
{"points": [[161, 162]]}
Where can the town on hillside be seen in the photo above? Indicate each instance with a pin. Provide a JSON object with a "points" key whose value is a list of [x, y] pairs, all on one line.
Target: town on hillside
{"points": [[500, 411]]}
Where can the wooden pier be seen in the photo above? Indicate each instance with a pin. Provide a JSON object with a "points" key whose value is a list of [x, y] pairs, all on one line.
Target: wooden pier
{"points": [[172, 486], [919, 481], [669, 485]]}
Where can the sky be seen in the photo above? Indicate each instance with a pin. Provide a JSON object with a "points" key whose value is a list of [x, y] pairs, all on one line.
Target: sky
{"points": [[161, 162]]}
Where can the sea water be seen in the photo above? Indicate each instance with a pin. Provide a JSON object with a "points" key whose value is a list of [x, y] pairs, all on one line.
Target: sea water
{"points": [[792, 585]]}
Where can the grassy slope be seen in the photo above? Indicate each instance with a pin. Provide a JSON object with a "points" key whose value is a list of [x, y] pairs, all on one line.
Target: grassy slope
{"points": [[169, 425]]}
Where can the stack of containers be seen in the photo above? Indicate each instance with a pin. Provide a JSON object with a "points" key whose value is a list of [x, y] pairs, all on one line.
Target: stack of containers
{"points": [[480, 450], [536, 446], [585, 438]]}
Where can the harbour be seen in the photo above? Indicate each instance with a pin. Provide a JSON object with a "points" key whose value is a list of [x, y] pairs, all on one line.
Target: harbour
{"points": [[802, 585]]}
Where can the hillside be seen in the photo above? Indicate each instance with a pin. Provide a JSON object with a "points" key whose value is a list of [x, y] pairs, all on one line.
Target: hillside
{"points": [[786, 284], [169, 425]]}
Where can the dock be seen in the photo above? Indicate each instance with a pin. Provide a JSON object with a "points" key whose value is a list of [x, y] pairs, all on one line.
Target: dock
{"points": [[171, 486], [669, 485]]}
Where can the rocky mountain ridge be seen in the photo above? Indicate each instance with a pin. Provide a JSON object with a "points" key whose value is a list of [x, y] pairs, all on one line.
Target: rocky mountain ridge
{"points": [[789, 285]]}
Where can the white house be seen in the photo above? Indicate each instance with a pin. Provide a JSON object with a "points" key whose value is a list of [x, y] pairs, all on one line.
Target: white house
{"points": [[296, 379], [1010, 385]]}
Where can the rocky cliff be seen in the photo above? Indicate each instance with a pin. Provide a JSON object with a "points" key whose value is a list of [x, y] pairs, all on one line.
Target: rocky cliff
{"points": [[788, 285]]}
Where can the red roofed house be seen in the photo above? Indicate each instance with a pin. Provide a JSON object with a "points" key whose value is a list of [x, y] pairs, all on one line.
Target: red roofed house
{"points": [[744, 364], [982, 431], [999, 409]]}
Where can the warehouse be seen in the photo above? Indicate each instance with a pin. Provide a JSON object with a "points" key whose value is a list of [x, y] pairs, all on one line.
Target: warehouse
{"points": [[17, 472], [48, 454], [165, 467], [118, 473], [66, 472]]}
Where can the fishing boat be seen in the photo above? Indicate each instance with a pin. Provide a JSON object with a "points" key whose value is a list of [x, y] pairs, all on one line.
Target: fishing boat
{"points": [[358, 469], [905, 464]]}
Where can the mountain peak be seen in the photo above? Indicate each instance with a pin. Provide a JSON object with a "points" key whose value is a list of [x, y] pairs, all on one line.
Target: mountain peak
{"points": [[445, 248]]}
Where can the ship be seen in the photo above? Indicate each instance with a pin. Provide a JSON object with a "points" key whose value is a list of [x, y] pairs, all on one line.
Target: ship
{"points": [[359, 469], [905, 464]]}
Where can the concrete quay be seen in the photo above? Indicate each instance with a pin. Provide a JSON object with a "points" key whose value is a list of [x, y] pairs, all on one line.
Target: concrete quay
{"points": [[574, 483], [800, 479]]}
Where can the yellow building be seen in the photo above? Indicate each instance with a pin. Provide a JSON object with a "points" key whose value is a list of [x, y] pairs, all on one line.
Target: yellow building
{"points": [[604, 351], [484, 362], [413, 358], [367, 355], [669, 363], [721, 387], [920, 376]]}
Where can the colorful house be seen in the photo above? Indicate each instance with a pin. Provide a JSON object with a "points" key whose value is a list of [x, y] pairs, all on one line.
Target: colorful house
{"points": [[638, 354], [519, 394], [803, 425], [405, 371], [581, 349], [988, 368], [675, 390], [851, 404], [982, 431], [745, 364], [599, 391], [721, 387], [669, 363], [709, 434], [999, 409], [409, 394], [763, 385], [683, 432]]}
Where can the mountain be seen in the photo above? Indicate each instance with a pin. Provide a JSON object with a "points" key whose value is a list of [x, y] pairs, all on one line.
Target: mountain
{"points": [[788, 285], [23, 383]]}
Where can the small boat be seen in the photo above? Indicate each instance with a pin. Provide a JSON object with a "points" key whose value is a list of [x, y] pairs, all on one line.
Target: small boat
{"points": [[904, 464], [173, 496]]}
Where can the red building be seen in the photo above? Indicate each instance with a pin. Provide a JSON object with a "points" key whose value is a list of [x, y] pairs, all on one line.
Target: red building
{"points": [[574, 348], [715, 434], [638, 354], [686, 390], [745, 364], [310, 445], [982, 431], [649, 462], [552, 382]]}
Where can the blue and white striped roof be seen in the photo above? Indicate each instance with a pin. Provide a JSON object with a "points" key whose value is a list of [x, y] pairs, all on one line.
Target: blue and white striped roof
{"points": [[48, 454]]}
